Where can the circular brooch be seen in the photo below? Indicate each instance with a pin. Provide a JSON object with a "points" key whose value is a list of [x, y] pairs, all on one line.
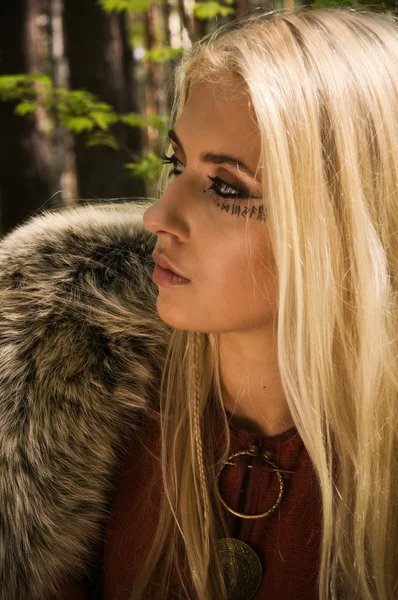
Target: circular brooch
{"points": [[253, 451]]}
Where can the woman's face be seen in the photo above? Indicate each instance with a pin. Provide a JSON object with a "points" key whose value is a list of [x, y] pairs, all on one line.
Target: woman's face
{"points": [[200, 220]]}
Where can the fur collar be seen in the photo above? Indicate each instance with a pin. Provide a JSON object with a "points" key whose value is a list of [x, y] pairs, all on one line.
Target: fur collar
{"points": [[81, 350]]}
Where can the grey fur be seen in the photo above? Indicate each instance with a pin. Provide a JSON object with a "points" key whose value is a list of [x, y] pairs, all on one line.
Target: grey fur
{"points": [[81, 352]]}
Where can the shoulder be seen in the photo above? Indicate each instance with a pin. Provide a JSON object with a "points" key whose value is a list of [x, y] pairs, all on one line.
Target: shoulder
{"points": [[76, 291], [82, 350]]}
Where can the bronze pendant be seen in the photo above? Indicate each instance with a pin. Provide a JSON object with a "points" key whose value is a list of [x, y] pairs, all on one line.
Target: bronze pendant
{"points": [[242, 568]]}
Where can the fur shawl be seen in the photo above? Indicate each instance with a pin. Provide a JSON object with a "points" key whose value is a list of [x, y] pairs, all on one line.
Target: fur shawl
{"points": [[81, 349]]}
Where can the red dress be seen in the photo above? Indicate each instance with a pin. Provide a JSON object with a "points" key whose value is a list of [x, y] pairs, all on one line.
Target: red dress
{"points": [[287, 542]]}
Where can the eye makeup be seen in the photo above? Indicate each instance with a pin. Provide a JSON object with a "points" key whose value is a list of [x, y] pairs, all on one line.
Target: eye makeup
{"points": [[220, 188], [172, 160], [226, 190]]}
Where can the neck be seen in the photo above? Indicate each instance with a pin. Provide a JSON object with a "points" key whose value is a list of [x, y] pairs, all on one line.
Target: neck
{"points": [[251, 385]]}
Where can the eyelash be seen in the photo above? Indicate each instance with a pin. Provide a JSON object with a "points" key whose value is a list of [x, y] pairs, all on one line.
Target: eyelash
{"points": [[171, 160], [217, 183]]}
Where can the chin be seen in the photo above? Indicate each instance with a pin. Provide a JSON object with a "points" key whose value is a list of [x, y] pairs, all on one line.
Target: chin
{"points": [[181, 317], [174, 316]]}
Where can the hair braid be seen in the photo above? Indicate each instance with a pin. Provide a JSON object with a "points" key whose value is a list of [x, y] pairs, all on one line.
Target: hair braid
{"points": [[198, 434]]}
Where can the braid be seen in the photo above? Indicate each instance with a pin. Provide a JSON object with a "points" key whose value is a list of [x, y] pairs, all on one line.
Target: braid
{"points": [[198, 434]]}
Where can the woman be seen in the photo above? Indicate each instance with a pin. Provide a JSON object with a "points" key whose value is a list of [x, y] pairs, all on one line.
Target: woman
{"points": [[268, 469], [283, 217]]}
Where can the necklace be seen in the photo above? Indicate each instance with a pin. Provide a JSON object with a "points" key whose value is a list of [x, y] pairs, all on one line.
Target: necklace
{"points": [[242, 568], [241, 565]]}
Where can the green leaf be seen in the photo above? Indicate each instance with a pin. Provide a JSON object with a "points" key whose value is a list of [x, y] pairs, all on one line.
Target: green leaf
{"points": [[158, 122], [24, 78], [134, 120], [102, 139], [124, 5], [161, 55], [23, 86], [211, 9], [78, 124], [25, 107], [38, 78], [103, 106], [103, 119], [115, 5], [148, 167]]}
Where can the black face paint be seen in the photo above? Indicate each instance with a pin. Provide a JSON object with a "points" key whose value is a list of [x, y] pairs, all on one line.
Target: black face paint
{"points": [[255, 212], [262, 213]]}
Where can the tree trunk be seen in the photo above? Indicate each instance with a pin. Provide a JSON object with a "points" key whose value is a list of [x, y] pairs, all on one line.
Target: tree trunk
{"points": [[152, 78], [167, 79], [100, 61], [241, 9], [24, 161], [60, 137], [199, 28], [187, 23]]}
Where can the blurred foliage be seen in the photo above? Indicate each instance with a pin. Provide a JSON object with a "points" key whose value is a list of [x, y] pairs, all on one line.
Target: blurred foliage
{"points": [[163, 54], [124, 5], [78, 110], [99, 138], [202, 10], [212, 9], [15, 87], [148, 166]]}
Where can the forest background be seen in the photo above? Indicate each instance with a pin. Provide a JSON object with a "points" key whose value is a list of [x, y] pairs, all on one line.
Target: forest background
{"points": [[85, 93]]}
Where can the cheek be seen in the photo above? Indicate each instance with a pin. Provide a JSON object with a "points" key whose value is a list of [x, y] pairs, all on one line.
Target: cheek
{"points": [[239, 292], [233, 271], [265, 288], [240, 210]]}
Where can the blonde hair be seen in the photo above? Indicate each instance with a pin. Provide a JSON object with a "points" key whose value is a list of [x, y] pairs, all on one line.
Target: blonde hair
{"points": [[324, 87]]}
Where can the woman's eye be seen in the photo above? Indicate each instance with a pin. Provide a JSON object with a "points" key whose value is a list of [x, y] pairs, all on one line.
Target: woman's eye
{"points": [[172, 160], [219, 187], [226, 190]]}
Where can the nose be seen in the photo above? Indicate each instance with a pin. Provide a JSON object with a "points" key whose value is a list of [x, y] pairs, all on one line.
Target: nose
{"points": [[165, 217]]}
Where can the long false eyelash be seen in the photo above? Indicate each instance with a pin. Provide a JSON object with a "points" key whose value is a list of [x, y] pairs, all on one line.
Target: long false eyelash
{"points": [[168, 160], [173, 161], [241, 193]]}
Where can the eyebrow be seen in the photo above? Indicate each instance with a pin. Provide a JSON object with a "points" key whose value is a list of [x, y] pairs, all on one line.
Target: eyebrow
{"points": [[216, 159]]}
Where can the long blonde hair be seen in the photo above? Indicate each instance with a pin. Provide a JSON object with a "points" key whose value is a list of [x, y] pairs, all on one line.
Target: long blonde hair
{"points": [[324, 87]]}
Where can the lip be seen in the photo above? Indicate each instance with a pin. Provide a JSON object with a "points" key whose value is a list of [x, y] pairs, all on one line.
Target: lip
{"points": [[167, 278], [162, 261]]}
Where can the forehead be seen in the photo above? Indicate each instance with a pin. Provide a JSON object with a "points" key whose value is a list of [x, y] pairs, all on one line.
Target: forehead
{"points": [[220, 119]]}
